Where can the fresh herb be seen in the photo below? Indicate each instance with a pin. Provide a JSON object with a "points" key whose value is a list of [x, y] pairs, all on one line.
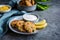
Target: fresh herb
{"points": [[41, 6], [42, 0]]}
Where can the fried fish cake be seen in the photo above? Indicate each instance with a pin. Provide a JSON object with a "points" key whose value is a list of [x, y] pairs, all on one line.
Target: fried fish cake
{"points": [[30, 27], [13, 23], [21, 28], [20, 24]]}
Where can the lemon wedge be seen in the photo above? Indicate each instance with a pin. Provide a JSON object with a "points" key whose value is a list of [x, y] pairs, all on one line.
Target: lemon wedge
{"points": [[41, 26], [41, 22]]}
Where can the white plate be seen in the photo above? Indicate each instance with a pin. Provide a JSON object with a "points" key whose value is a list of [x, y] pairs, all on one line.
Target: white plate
{"points": [[19, 18]]}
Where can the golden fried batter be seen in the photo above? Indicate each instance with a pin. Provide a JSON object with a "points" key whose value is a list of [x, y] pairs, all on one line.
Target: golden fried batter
{"points": [[24, 26], [21, 28], [20, 24], [13, 23], [30, 27]]}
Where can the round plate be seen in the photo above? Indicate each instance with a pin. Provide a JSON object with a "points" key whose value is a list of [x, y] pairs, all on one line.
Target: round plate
{"points": [[18, 18]]}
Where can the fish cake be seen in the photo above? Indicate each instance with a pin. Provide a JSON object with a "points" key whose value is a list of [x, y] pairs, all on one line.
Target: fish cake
{"points": [[20, 24], [30, 27], [13, 23]]}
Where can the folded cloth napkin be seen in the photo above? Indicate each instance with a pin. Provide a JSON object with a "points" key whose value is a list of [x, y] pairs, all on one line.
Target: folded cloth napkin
{"points": [[8, 15]]}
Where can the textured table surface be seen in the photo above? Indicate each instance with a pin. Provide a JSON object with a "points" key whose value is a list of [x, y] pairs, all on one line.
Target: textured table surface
{"points": [[51, 32]]}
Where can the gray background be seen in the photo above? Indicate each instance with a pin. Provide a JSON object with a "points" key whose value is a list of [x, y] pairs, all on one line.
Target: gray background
{"points": [[51, 32]]}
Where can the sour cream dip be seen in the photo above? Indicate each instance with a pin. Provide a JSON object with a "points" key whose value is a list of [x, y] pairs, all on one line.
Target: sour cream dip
{"points": [[30, 17]]}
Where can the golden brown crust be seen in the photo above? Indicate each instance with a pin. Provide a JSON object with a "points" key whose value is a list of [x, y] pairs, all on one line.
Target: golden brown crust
{"points": [[13, 23], [20, 25], [33, 2], [23, 26], [27, 2], [30, 27]]}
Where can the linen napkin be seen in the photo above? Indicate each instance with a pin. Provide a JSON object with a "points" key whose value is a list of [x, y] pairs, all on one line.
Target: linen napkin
{"points": [[7, 16]]}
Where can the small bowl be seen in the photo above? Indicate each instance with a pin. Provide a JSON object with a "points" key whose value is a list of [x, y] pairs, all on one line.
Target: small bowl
{"points": [[26, 8], [36, 20], [6, 10], [16, 31]]}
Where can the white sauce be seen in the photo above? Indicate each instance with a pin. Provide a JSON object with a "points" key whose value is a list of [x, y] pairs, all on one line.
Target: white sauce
{"points": [[29, 17]]}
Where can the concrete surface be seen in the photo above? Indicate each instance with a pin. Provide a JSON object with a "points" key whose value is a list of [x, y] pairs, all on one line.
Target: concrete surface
{"points": [[51, 32]]}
